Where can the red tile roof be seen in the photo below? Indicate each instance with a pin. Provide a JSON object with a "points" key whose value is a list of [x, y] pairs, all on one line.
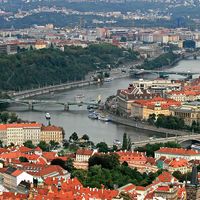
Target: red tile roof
{"points": [[178, 151], [17, 172], [49, 155], [51, 128], [87, 152]]}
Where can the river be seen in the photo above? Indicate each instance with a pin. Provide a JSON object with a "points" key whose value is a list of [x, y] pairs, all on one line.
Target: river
{"points": [[76, 120]]}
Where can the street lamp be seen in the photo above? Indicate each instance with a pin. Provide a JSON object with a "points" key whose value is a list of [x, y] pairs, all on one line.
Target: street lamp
{"points": [[48, 118]]}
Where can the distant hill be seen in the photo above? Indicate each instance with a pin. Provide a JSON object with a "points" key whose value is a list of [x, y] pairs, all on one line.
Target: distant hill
{"points": [[36, 68]]}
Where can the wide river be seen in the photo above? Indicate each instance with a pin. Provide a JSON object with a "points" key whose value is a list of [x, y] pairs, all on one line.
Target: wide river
{"points": [[76, 119]]}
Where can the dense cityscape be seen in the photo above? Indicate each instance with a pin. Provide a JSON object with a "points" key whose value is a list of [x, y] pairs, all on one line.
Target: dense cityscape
{"points": [[100, 100]]}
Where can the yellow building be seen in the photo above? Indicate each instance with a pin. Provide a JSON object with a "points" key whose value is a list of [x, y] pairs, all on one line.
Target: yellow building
{"points": [[125, 98], [143, 108], [40, 44], [53, 133], [189, 112]]}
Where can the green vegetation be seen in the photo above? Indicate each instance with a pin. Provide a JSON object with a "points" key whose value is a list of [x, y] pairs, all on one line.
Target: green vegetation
{"points": [[6, 117], [106, 170], [170, 122], [36, 68], [126, 144], [182, 177], [151, 148], [161, 61]]}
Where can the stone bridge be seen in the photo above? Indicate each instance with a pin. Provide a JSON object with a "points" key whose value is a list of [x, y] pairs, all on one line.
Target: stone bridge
{"points": [[177, 139], [48, 89], [30, 103]]}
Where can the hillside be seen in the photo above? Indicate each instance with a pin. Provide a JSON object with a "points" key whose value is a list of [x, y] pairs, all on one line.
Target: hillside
{"points": [[36, 68]]}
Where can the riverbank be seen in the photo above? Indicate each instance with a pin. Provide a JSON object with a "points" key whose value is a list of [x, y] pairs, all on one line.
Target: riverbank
{"points": [[143, 126]]}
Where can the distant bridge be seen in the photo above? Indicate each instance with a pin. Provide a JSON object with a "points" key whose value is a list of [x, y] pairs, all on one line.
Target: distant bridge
{"points": [[177, 139], [31, 103], [137, 72], [48, 89]]}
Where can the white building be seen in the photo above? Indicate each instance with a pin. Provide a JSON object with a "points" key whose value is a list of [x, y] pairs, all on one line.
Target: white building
{"points": [[13, 177], [171, 153]]}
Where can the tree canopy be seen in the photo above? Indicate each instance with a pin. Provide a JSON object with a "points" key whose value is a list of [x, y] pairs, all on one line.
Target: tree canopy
{"points": [[36, 68]]}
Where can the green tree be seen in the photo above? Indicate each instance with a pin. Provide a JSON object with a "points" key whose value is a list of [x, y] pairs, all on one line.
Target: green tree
{"points": [[59, 162], [43, 145], [29, 144], [73, 137], [102, 147], [125, 142], [69, 166], [1, 143], [53, 144], [85, 137], [23, 159]]}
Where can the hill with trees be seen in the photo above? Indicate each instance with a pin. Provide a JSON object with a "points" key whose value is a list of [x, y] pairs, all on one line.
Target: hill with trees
{"points": [[34, 68]]}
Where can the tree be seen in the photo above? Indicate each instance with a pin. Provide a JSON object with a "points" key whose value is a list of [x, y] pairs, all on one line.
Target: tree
{"points": [[73, 137], [85, 137], [13, 118], [23, 159], [53, 144], [1, 143], [108, 161], [69, 166], [59, 162], [129, 143], [43, 145], [125, 142], [102, 147], [29, 144]]}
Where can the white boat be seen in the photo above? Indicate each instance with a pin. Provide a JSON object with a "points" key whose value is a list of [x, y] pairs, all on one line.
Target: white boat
{"points": [[108, 79], [104, 118], [93, 115]]}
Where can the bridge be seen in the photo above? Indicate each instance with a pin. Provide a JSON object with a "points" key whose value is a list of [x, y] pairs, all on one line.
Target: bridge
{"points": [[177, 139], [137, 72], [49, 89], [30, 103]]}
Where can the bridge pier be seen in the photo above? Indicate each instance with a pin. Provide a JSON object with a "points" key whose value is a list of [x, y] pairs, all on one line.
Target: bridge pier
{"points": [[195, 56], [66, 107], [30, 106]]}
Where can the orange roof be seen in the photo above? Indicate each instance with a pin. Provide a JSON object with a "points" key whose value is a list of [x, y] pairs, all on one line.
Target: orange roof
{"points": [[165, 177], [17, 172], [24, 149], [84, 152], [179, 162], [49, 155], [177, 151], [163, 188], [38, 149], [51, 128], [20, 125]]}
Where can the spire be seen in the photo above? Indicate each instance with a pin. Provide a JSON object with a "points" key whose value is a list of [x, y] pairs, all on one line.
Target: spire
{"points": [[194, 178]]}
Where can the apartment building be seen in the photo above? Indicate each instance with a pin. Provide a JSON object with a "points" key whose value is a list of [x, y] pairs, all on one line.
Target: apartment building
{"points": [[143, 108], [36, 132], [49, 133], [189, 112]]}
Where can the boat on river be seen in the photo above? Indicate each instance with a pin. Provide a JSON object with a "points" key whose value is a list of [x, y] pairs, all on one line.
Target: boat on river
{"points": [[93, 115], [108, 79], [104, 118]]}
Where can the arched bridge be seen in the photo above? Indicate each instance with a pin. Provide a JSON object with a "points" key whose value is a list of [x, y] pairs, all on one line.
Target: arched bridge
{"points": [[30, 103], [177, 139], [137, 72]]}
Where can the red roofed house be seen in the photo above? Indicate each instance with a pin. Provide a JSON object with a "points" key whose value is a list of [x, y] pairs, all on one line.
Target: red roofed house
{"points": [[143, 108], [13, 177], [166, 192], [170, 153], [82, 157], [125, 98], [53, 133]]}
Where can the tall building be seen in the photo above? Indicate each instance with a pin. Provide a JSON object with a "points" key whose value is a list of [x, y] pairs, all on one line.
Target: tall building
{"points": [[193, 188]]}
